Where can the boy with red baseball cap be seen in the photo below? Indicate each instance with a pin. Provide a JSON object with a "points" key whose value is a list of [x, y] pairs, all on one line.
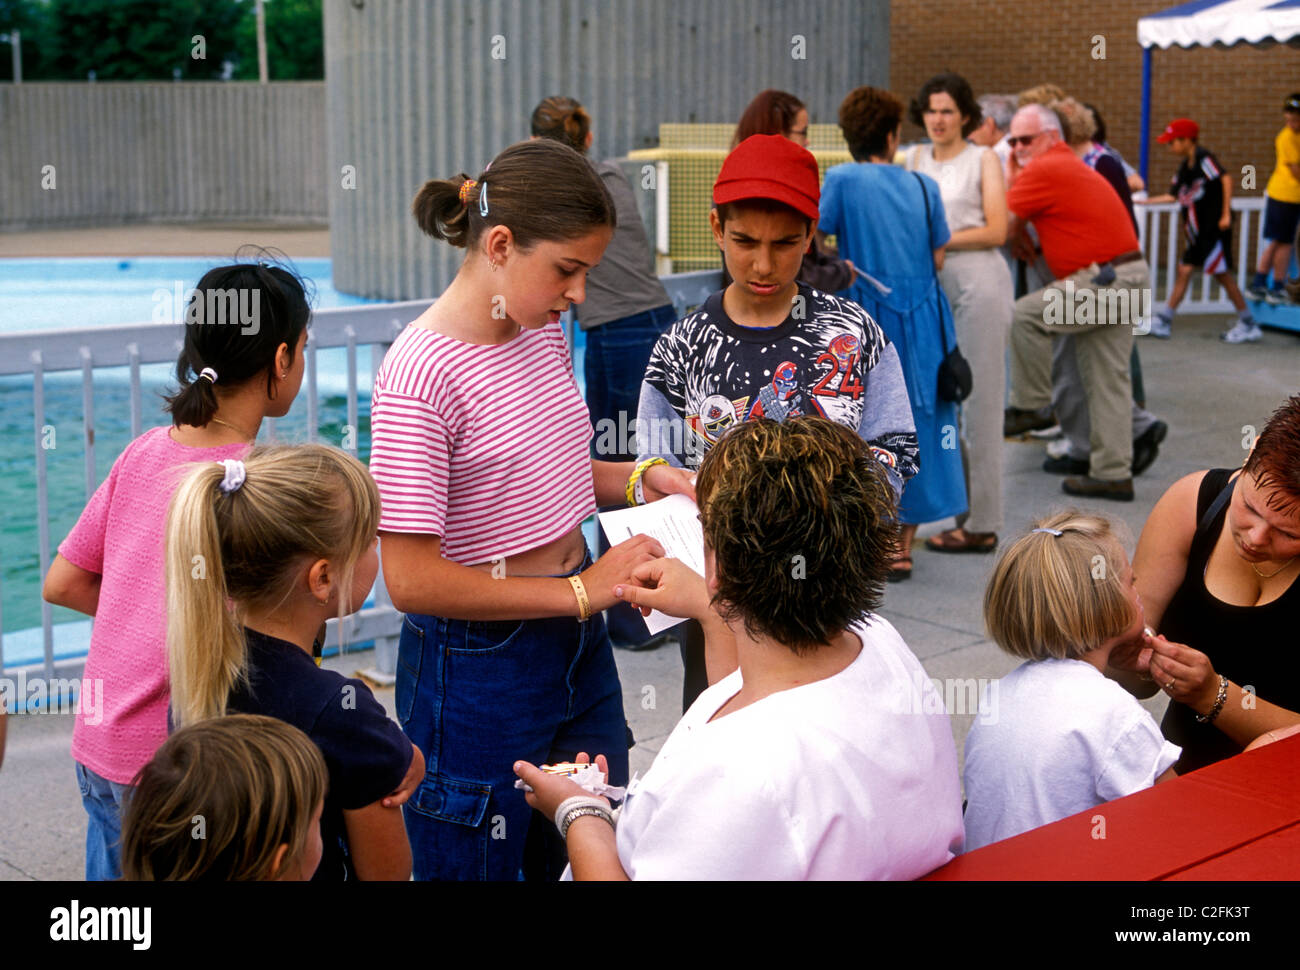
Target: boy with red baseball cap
{"points": [[767, 345], [1205, 194]]}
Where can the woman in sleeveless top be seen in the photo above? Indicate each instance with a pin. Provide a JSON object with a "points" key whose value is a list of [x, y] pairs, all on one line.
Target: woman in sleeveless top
{"points": [[978, 285], [1217, 568]]}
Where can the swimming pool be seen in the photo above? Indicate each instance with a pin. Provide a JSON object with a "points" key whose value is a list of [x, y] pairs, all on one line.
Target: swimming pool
{"points": [[45, 294]]}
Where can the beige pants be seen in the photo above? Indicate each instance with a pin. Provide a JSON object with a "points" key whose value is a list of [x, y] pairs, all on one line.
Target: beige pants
{"points": [[978, 285], [1101, 319]]}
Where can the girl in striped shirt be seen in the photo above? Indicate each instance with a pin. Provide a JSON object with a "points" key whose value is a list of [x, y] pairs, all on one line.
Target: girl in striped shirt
{"points": [[481, 453]]}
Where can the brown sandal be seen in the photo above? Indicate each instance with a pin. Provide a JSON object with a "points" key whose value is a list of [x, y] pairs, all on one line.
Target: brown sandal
{"points": [[959, 540]]}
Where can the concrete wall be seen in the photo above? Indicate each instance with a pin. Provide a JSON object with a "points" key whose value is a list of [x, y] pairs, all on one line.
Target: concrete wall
{"points": [[82, 154], [428, 88]]}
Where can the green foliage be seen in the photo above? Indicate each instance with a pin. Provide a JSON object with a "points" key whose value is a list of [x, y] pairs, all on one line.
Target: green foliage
{"points": [[130, 40], [295, 41]]}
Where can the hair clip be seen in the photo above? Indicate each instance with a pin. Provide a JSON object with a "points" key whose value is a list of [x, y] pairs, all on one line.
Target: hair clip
{"points": [[1051, 532], [482, 200], [209, 373], [466, 187], [235, 474]]}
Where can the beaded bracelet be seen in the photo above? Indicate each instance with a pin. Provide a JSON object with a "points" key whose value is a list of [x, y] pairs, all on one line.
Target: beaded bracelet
{"points": [[634, 493], [1218, 702]]}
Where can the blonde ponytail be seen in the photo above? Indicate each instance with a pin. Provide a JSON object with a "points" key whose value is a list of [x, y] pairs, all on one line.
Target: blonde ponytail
{"points": [[206, 653], [231, 552]]}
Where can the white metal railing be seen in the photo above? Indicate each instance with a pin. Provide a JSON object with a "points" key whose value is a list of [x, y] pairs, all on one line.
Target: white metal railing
{"points": [[87, 349], [1161, 241]]}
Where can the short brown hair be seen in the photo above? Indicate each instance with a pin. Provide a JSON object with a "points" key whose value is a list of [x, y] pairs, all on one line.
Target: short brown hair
{"points": [[1061, 595], [802, 523], [1275, 461], [540, 190], [251, 782], [868, 116]]}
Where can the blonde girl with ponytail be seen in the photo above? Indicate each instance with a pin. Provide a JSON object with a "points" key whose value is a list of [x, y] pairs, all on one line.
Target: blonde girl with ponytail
{"points": [[242, 361], [260, 553]]}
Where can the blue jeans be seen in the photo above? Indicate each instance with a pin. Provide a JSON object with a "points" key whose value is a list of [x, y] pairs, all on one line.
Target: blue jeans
{"points": [[477, 696], [104, 802], [614, 367]]}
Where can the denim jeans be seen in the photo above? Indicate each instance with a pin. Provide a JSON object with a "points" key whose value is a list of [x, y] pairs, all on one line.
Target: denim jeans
{"points": [[614, 367], [104, 801], [477, 696]]}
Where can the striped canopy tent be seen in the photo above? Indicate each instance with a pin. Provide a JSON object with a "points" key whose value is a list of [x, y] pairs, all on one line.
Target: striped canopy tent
{"points": [[1202, 23]]}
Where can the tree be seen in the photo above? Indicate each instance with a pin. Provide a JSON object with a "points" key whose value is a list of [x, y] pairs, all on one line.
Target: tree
{"points": [[128, 40], [295, 41]]}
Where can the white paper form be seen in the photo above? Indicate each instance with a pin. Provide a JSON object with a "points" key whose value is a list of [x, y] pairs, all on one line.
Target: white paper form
{"points": [[674, 522]]}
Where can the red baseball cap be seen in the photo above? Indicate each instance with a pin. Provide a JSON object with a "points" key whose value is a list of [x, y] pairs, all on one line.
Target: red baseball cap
{"points": [[770, 167], [1180, 128]]}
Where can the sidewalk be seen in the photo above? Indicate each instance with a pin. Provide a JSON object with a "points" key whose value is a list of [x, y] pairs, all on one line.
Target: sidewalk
{"points": [[167, 239], [1207, 392]]}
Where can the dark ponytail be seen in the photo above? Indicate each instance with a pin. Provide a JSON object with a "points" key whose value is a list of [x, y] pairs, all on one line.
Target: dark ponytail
{"points": [[540, 190], [235, 321], [564, 120]]}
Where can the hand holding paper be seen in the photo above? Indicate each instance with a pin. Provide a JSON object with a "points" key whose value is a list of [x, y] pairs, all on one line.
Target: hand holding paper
{"points": [[674, 522]]}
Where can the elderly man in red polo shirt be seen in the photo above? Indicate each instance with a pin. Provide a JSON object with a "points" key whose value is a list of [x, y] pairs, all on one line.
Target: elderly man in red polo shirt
{"points": [[1101, 284]]}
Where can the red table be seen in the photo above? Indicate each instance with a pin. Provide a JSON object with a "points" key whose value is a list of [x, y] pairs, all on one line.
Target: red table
{"points": [[1237, 819]]}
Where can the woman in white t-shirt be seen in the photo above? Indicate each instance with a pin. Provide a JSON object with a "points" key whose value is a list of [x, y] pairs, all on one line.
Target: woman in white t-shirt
{"points": [[1056, 736], [827, 753]]}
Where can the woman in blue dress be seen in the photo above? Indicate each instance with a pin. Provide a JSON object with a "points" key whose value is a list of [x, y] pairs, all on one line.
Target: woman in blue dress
{"points": [[877, 212]]}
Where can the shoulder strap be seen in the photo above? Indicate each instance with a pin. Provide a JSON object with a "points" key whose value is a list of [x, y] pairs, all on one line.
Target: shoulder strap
{"points": [[929, 256], [1216, 506]]}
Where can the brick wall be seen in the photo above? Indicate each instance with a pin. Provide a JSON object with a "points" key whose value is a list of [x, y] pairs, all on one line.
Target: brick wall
{"points": [[1003, 46]]}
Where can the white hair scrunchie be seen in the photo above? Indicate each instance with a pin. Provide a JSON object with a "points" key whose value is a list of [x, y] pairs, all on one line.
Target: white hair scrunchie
{"points": [[235, 474]]}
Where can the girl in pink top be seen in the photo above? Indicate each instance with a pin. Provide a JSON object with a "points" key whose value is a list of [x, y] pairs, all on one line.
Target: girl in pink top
{"points": [[242, 361], [481, 453]]}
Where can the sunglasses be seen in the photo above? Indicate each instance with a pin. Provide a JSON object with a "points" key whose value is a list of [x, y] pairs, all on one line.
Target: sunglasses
{"points": [[1022, 139]]}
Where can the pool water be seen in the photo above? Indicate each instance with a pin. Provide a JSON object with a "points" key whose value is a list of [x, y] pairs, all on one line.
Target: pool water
{"points": [[52, 293]]}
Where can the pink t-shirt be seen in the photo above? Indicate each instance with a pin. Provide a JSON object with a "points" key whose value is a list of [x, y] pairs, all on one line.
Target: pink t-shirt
{"points": [[485, 446], [120, 536]]}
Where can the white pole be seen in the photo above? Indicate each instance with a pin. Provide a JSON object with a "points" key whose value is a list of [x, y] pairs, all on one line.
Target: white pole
{"points": [[261, 43], [17, 48]]}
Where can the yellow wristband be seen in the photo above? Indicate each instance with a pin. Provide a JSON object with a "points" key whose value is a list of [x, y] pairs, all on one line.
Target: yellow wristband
{"points": [[637, 472], [584, 604]]}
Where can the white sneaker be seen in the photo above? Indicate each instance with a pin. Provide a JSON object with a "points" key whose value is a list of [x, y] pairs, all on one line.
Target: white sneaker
{"points": [[1161, 327], [1060, 448], [1242, 333]]}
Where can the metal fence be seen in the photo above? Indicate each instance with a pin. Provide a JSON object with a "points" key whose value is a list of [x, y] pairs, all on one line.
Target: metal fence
{"points": [[80, 153], [1161, 240], [89, 349]]}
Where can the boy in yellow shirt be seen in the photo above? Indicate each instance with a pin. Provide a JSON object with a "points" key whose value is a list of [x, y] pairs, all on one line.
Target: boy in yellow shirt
{"points": [[1281, 210]]}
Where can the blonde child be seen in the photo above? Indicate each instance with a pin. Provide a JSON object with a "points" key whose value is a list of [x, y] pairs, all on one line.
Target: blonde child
{"points": [[1061, 737], [261, 821], [259, 554], [233, 371]]}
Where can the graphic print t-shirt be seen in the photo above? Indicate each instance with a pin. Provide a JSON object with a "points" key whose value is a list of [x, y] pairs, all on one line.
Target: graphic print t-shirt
{"points": [[1199, 190], [828, 359]]}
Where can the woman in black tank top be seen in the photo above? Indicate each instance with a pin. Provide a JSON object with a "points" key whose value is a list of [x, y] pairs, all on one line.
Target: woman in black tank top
{"points": [[1226, 601]]}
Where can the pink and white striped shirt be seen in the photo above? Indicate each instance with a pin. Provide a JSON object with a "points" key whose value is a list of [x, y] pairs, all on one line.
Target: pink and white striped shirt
{"points": [[485, 446]]}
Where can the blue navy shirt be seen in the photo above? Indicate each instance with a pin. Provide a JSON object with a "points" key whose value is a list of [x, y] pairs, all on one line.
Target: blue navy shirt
{"points": [[365, 751]]}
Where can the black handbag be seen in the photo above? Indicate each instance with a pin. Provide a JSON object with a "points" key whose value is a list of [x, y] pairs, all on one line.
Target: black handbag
{"points": [[955, 377]]}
